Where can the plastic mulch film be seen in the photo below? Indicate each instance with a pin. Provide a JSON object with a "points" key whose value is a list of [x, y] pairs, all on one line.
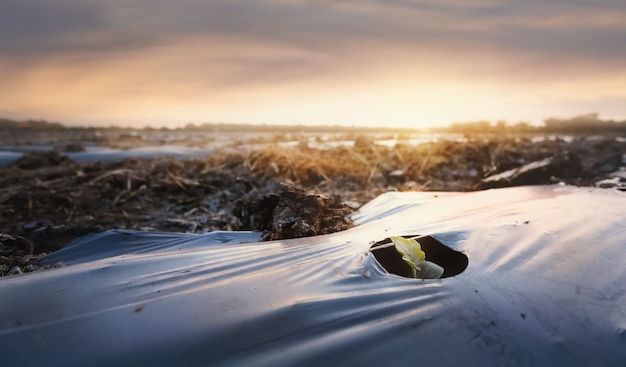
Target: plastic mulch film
{"points": [[532, 276]]}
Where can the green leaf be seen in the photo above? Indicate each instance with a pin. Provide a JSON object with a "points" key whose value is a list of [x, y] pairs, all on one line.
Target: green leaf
{"points": [[412, 254], [410, 249]]}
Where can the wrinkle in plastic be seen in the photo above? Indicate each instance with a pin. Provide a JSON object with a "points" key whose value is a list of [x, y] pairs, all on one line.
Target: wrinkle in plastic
{"points": [[545, 285]]}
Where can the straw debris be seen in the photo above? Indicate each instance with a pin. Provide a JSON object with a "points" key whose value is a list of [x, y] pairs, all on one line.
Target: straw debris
{"points": [[47, 200]]}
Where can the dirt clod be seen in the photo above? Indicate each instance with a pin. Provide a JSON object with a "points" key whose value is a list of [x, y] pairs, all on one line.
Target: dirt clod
{"points": [[293, 213]]}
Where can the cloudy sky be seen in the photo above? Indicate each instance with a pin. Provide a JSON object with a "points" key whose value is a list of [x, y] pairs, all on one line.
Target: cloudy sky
{"points": [[356, 62]]}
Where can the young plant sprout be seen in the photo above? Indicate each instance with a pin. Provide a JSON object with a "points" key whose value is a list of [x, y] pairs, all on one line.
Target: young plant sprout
{"points": [[412, 254]]}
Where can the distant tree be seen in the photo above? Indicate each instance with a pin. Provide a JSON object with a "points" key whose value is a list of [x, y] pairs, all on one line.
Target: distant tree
{"points": [[522, 127], [501, 126], [588, 123], [30, 124]]}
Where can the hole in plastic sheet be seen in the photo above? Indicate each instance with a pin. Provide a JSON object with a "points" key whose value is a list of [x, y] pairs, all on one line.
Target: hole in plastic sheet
{"points": [[453, 262]]}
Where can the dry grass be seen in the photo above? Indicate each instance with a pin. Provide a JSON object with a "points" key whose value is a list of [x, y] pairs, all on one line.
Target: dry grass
{"points": [[47, 200]]}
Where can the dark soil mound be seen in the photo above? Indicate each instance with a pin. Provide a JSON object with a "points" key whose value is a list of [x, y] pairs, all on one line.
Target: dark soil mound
{"points": [[293, 213]]}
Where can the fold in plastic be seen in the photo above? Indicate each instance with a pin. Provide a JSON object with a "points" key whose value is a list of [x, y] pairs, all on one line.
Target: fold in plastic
{"points": [[545, 285]]}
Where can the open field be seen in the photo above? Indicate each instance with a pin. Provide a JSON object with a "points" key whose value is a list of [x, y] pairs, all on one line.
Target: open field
{"points": [[287, 185]]}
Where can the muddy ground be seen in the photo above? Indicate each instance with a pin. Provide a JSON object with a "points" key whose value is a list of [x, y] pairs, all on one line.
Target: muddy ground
{"points": [[47, 200]]}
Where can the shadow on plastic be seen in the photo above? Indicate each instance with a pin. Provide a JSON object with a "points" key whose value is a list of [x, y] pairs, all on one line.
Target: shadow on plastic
{"points": [[453, 262]]}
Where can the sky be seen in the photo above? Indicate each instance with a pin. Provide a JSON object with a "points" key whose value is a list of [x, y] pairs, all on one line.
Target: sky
{"points": [[405, 63]]}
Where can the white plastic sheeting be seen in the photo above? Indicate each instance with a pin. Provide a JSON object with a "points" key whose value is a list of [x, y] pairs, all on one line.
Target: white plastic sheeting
{"points": [[545, 286]]}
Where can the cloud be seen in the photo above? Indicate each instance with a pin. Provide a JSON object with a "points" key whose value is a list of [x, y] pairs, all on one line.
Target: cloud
{"points": [[556, 27], [270, 55], [37, 27], [555, 32]]}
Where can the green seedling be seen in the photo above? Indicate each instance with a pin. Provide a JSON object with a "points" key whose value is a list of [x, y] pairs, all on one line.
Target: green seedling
{"points": [[412, 254]]}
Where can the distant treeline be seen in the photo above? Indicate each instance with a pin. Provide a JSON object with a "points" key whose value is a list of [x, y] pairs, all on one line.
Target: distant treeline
{"points": [[589, 123], [226, 127], [583, 124], [30, 124], [483, 126], [6, 124]]}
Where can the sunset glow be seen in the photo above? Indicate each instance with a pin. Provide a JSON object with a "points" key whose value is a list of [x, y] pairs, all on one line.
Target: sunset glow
{"points": [[373, 63]]}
